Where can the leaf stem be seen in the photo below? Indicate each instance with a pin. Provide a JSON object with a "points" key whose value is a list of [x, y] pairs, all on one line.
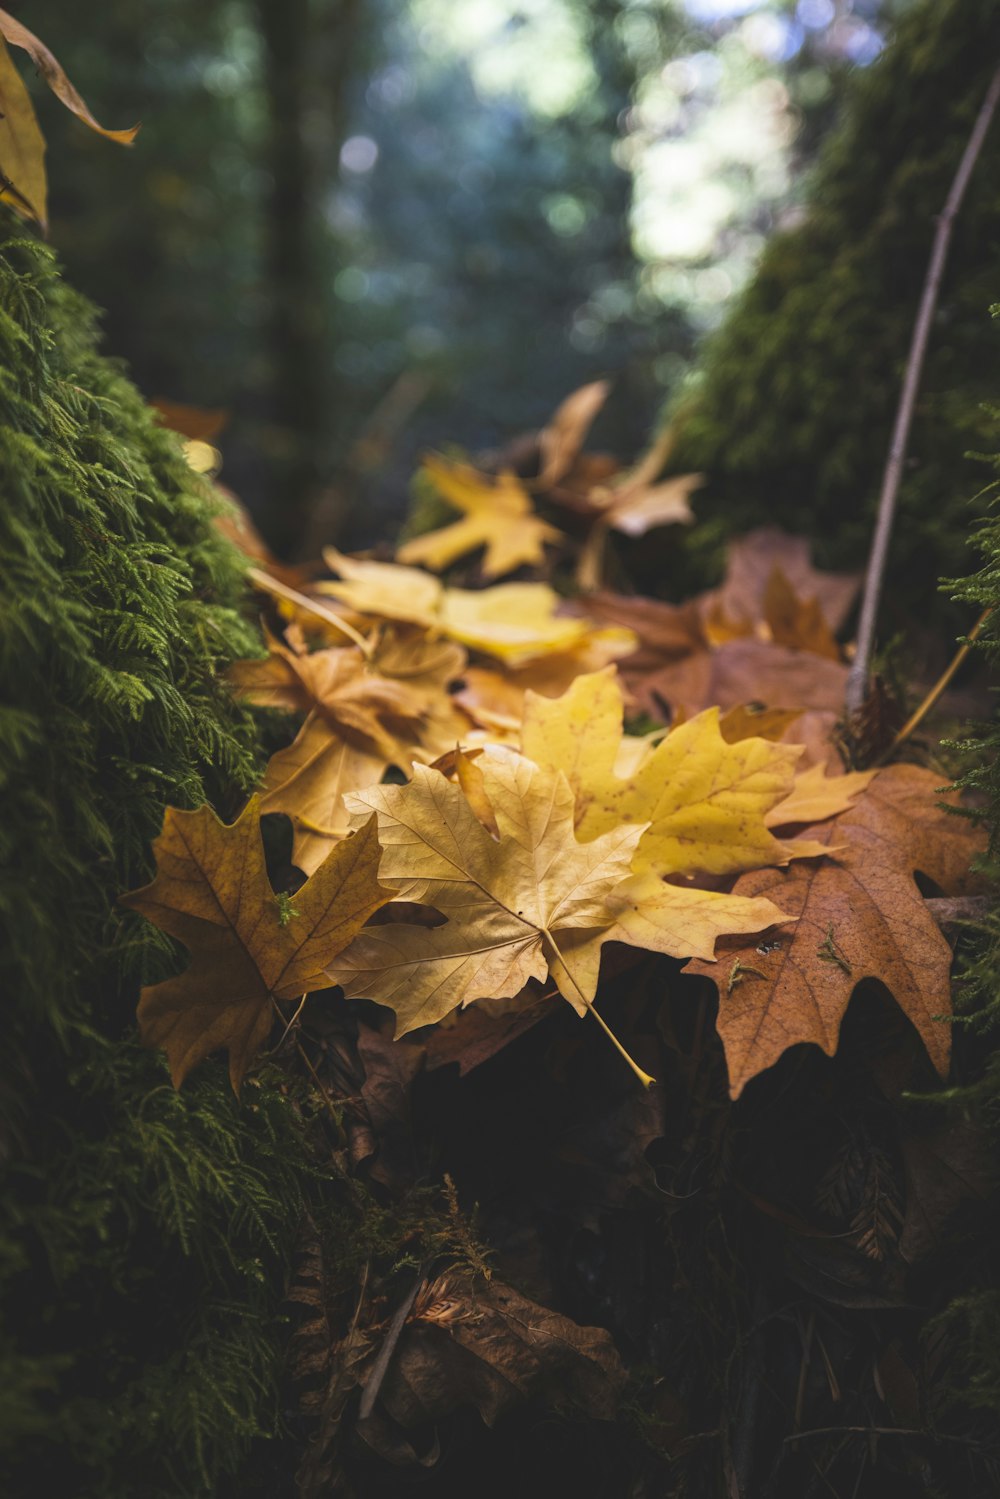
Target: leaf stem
{"points": [[920, 713], [644, 1077], [270, 585], [330, 1105], [314, 827], [857, 681]]}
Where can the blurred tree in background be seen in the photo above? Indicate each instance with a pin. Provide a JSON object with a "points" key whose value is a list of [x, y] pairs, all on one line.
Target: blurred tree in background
{"points": [[365, 228]]}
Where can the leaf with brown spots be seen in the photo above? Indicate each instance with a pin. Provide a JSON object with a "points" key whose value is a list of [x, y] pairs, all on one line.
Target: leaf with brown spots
{"points": [[861, 917]]}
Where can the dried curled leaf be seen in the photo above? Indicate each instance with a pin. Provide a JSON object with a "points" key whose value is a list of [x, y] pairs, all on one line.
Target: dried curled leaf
{"points": [[212, 893], [560, 442], [481, 1343], [51, 70], [364, 714]]}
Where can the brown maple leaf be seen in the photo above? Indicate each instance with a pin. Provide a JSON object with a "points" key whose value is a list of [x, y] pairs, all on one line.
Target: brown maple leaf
{"points": [[363, 715], [860, 917], [559, 442], [750, 565], [212, 893], [766, 635]]}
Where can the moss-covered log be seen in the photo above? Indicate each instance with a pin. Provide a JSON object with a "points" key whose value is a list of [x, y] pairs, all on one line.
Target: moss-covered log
{"points": [[144, 1233], [793, 403]]}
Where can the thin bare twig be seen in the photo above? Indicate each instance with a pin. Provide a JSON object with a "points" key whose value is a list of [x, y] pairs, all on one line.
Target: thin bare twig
{"points": [[952, 912], [278, 590], [857, 681], [881, 1431], [381, 1366]]}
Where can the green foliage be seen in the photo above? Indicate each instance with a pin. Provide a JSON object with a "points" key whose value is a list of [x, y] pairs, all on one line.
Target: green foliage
{"points": [[792, 412], [145, 1233], [971, 1323], [982, 591]]}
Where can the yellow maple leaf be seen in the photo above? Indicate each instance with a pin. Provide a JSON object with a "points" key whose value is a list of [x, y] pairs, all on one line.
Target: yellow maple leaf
{"points": [[533, 901], [498, 515], [704, 801], [514, 622]]}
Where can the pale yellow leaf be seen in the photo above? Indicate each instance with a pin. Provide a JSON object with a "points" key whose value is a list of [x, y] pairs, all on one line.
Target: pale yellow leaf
{"points": [[514, 621], [815, 796], [634, 512], [383, 589]]}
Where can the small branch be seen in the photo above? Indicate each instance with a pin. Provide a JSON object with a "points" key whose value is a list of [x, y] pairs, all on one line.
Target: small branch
{"points": [[950, 912], [267, 584], [857, 681], [381, 1366], [330, 1105], [880, 1431], [644, 1077]]}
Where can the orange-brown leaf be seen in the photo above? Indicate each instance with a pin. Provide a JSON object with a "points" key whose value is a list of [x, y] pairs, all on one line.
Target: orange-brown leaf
{"points": [[212, 893], [795, 621], [560, 442], [23, 183], [861, 917], [363, 715]]}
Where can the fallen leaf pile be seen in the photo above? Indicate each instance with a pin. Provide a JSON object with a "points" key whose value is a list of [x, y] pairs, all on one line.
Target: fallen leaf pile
{"points": [[493, 798], [526, 825]]}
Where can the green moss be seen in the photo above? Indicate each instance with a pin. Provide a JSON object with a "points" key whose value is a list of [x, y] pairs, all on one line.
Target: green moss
{"points": [[795, 396], [145, 1234]]}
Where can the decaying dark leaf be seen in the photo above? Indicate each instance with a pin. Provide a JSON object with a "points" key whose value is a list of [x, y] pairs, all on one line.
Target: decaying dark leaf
{"points": [[494, 1349]]}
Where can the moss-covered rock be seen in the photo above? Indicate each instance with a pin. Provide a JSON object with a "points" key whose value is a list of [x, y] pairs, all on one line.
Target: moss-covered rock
{"points": [[144, 1233], [793, 404]]}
